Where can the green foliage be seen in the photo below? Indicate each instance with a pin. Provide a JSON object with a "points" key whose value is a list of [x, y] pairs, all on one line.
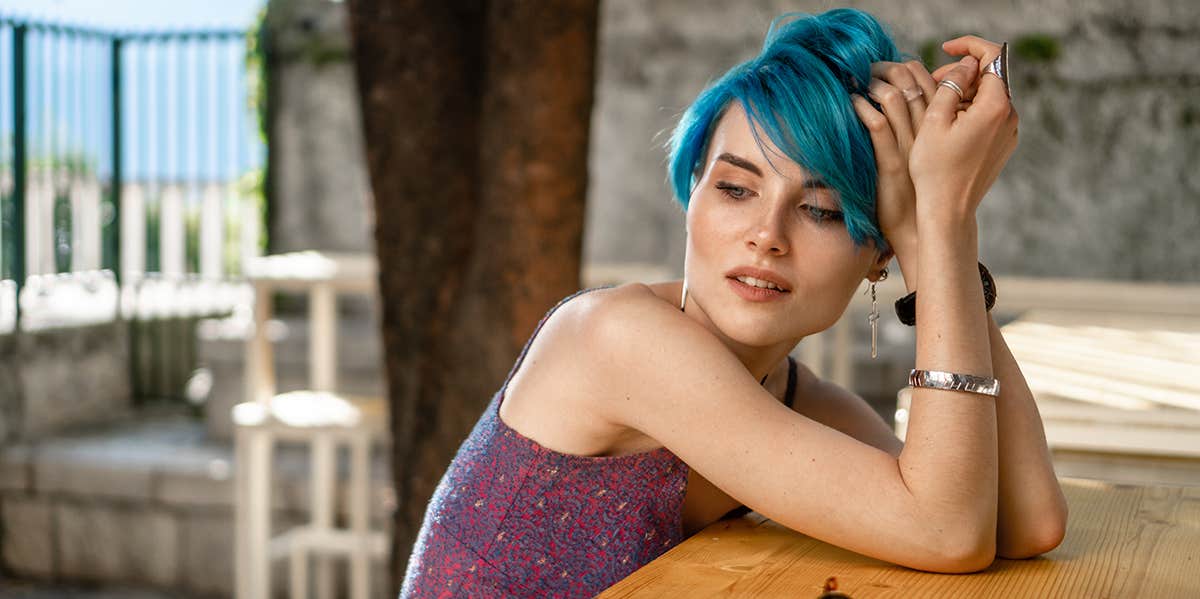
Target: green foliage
{"points": [[252, 184], [1036, 47], [929, 54], [256, 70]]}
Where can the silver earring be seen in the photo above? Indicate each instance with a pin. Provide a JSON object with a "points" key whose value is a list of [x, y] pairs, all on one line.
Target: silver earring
{"points": [[873, 318], [683, 298]]}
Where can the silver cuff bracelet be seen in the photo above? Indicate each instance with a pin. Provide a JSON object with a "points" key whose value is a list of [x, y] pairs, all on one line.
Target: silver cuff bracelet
{"points": [[949, 381]]}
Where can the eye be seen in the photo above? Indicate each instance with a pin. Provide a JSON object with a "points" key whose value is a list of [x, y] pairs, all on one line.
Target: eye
{"points": [[736, 192], [821, 215]]}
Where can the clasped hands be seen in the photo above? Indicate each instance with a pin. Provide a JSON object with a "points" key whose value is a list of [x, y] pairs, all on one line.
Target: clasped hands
{"points": [[936, 153]]}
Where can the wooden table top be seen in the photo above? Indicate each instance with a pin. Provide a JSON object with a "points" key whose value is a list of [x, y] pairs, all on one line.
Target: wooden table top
{"points": [[1122, 541]]}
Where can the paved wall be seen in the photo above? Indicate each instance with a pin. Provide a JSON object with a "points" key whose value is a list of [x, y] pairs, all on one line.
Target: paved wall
{"points": [[1102, 185]]}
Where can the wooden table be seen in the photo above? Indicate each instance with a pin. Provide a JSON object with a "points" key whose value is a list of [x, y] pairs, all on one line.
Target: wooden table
{"points": [[1122, 541]]}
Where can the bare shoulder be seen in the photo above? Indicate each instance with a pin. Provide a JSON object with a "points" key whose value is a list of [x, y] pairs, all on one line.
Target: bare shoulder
{"points": [[555, 396]]}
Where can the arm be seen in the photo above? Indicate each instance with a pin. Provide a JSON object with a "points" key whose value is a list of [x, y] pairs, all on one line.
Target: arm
{"points": [[1032, 511], [781, 464], [1031, 508]]}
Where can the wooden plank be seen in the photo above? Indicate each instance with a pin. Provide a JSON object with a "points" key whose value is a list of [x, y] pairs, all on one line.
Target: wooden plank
{"points": [[1122, 541]]}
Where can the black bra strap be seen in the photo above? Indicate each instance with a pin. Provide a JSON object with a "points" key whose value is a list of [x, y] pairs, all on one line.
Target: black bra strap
{"points": [[790, 397]]}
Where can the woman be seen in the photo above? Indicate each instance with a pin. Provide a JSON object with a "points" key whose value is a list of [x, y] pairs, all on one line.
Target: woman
{"points": [[637, 415]]}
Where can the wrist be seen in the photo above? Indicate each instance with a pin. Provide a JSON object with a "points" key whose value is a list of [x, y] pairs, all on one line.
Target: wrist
{"points": [[948, 237]]}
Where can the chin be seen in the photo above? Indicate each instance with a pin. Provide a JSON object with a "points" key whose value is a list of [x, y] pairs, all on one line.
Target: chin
{"points": [[746, 328]]}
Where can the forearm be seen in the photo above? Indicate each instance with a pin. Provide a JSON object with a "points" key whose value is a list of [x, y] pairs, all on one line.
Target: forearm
{"points": [[1031, 508], [1032, 511], [949, 461]]}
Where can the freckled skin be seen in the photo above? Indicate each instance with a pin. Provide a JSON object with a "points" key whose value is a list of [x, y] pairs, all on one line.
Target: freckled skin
{"points": [[769, 227]]}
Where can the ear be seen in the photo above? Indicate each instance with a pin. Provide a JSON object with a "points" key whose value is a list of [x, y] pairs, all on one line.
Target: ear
{"points": [[881, 262]]}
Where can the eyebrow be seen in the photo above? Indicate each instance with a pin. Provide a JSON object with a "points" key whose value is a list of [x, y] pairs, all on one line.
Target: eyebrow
{"points": [[738, 161]]}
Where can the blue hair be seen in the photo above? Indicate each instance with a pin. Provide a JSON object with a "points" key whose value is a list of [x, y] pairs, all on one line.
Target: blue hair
{"points": [[797, 90]]}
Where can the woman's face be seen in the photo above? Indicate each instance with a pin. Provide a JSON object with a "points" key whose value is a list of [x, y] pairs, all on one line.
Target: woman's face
{"points": [[774, 216]]}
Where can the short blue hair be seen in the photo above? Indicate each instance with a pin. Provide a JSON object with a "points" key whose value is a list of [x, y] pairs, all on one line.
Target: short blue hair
{"points": [[797, 90]]}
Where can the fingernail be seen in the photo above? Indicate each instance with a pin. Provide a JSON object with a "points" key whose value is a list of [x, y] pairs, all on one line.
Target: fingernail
{"points": [[968, 61]]}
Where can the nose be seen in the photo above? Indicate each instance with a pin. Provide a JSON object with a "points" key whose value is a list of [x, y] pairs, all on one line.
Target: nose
{"points": [[767, 233]]}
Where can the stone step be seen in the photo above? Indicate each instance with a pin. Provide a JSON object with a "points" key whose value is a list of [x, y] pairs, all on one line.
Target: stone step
{"points": [[148, 502]]}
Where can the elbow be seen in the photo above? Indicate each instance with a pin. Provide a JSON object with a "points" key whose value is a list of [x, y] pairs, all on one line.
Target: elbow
{"points": [[1042, 537], [972, 553]]}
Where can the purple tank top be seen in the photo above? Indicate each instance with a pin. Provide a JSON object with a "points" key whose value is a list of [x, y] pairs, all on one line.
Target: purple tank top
{"points": [[511, 518]]}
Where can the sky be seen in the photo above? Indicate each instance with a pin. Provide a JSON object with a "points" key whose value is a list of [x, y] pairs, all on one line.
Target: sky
{"points": [[171, 108], [138, 14]]}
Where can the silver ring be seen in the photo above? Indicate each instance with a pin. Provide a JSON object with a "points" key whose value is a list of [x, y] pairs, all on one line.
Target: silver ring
{"points": [[999, 68], [953, 86], [912, 94]]}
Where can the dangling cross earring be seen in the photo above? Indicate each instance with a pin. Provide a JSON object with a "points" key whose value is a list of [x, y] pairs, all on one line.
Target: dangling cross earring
{"points": [[873, 317], [683, 297]]}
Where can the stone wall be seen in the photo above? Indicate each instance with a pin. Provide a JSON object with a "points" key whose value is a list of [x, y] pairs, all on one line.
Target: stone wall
{"points": [[148, 504], [1102, 185], [321, 195], [52, 380]]}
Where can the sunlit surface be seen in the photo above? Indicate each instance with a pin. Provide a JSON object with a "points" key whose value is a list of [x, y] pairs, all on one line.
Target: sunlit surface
{"points": [[1126, 362]]}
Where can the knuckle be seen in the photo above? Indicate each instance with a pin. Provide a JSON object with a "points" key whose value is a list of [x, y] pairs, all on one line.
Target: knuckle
{"points": [[997, 111], [877, 123]]}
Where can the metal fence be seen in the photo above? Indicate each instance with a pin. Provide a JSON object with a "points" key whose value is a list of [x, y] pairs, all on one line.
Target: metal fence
{"points": [[128, 167]]}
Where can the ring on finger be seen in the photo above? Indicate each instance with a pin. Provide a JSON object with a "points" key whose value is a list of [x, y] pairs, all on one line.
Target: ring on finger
{"points": [[912, 93], [955, 87], [999, 68]]}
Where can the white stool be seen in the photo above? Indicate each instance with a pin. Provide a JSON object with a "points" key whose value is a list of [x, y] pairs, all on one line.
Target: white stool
{"points": [[324, 420], [319, 417]]}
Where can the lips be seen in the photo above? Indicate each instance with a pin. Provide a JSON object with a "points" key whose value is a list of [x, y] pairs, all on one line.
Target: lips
{"points": [[755, 294], [761, 274]]}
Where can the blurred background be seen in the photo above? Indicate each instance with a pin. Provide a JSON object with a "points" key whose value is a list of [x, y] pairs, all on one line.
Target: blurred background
{"points": [[187, 228]]}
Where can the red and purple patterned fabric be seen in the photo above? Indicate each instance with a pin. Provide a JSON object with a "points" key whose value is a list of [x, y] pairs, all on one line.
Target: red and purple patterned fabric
{"points": [[511, 518]]}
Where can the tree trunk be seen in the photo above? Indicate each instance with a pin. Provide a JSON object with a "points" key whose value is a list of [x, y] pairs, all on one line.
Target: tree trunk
{"points": [[476, 118]]}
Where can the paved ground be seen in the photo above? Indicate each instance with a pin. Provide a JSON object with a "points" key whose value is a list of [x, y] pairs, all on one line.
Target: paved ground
{"points": [[18, 589]]}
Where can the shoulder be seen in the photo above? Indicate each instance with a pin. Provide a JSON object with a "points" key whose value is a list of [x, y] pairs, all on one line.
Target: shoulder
{"points": [[626, 309], [637, 333]]}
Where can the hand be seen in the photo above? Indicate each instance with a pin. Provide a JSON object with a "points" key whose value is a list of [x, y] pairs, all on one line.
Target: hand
{"points": [[958, 154], [901, 89]]}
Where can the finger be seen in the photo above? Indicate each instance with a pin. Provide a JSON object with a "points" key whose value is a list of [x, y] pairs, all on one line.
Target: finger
{"points": [[983, 50], [894, 73], [941, 71], [895, 109], [928, 88], [887, 151], [944, 105], [915, 96]]}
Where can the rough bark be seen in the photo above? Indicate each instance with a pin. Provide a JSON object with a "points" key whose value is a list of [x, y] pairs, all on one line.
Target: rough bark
{"points": [[476, 118]]}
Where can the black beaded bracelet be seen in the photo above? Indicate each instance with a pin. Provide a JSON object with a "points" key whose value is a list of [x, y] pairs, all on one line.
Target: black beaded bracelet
{"points": [[906, 307]]}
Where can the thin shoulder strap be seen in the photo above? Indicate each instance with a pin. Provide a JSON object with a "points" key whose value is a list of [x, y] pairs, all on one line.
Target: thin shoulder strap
{"points": [[538, 328], [790, 397]]}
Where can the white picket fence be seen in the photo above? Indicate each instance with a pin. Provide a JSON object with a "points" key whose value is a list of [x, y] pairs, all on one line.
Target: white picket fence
{"points": [[87, 294]]}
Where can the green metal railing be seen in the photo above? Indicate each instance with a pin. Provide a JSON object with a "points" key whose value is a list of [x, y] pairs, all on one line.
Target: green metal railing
{"points": [[126, 152]]}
